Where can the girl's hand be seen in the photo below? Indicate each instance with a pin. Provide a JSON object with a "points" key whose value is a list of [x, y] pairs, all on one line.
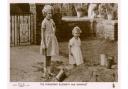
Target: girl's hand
{"points": [[44, 51], [54, 31], [43, 45], [71, 54]]}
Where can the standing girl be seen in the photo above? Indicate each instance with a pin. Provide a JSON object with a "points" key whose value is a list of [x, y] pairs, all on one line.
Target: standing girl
{"points": [[49, 45], [75, 54]]}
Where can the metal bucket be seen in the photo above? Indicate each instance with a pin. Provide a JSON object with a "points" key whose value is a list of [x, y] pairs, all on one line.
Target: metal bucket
{"points": [[61, 75]]}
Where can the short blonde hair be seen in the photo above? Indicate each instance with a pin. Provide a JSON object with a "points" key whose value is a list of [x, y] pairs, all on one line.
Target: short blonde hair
{"points": [[76, 29], [47, 8]]}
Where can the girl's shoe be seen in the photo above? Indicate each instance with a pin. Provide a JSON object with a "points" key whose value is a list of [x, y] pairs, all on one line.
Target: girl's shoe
{"points": [[52, 74]]}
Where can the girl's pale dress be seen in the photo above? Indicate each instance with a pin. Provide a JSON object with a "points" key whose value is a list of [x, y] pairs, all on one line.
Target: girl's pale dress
{"points": [[76, 57], [50, 40]]}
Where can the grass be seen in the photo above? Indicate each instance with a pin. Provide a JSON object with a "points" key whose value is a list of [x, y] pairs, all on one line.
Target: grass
{"points": [[91, 50]]}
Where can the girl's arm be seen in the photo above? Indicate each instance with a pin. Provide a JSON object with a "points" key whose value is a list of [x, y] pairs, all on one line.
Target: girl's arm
{"points": [[54, 26], [54, 29], [69, 47], [42, 36], [43, 41], [81, 47]]}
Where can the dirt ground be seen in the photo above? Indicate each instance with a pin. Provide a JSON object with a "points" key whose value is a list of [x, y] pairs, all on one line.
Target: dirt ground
{"points": [[26, 64]]}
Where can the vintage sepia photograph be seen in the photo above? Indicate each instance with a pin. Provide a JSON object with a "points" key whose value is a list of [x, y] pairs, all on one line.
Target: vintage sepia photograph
{"points": [[63, 42]]}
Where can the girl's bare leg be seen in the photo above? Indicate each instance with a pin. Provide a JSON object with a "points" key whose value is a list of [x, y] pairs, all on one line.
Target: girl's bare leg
{"points": [[49, 66], [45, 68]]}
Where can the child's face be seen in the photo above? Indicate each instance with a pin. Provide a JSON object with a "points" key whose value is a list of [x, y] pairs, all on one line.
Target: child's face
{"points": [[49, 15], [76, 34]]}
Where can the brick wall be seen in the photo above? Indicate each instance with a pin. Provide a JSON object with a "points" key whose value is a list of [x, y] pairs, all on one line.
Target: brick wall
{"points": [[106, 29]]}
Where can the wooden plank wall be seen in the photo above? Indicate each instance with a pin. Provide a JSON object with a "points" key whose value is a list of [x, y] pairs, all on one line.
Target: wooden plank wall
{"points": [[20, 30]]}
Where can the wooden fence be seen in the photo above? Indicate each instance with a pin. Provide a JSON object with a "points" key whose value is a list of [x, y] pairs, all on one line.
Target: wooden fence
{"points": [[21, 30]]}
